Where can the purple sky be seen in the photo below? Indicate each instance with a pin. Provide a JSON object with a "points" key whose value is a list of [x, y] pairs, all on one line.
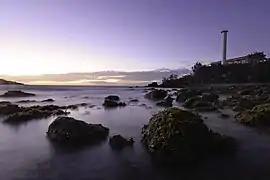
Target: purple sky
{"points": [[131, 34]]}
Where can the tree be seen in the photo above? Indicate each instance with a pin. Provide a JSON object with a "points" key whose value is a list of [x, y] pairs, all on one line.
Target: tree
{"points": [[256, 57], [196, 67]]}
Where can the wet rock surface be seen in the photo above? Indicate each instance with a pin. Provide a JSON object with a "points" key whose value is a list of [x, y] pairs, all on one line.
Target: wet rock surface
{"points": [[156, 94], [119, 142], [10, 94], [177, 136], [69, 131]]}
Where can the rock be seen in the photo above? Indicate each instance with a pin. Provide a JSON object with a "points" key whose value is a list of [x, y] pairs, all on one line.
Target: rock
{"points": [[72, 107], [69, 131], [9, 109], [111, 103], [5, 102], [16, 94], [134, 100], [32, 114], [245, 102], [257, 116], [26, 101], [245, 92], [91, 106], [122, 104], [224, 116], [199, 104], [156, 94], [119, 142], [210, 97], [177, 136], [16, 114], [167, 102], [185, 94], [48, 100], [112, 98]]}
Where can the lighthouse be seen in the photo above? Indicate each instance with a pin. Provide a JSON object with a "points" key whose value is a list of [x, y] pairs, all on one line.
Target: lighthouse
{"points": [[224, 46]]}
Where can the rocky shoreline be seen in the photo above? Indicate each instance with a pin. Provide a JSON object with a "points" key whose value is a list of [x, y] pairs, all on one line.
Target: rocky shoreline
{"points": [[172, 136]]}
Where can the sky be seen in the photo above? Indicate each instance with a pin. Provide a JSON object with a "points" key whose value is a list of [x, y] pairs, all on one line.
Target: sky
{"points": [[40, 37]]}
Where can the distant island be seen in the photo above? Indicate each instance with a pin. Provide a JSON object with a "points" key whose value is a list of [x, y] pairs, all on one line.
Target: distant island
{"points": [[5, 82]]}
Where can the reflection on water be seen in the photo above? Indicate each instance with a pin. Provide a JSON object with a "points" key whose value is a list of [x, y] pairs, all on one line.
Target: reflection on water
{"points": [[26, 153]]}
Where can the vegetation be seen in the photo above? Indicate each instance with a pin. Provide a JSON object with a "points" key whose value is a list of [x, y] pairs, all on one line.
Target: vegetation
{"points": [[256, 69]]}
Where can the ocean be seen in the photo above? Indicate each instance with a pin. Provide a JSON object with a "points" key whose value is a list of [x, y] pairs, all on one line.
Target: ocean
{"points": [[26, 153]]}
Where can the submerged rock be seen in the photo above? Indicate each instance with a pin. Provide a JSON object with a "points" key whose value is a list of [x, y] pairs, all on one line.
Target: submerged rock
{"points": [[179, 136], [48, 100], [112, 98], [167, 102], [16, 94], [156, 94], [119, 142], [257, 116], [67, 130]]}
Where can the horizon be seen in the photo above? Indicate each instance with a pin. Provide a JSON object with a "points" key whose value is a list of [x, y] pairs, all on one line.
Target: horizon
{"points": [[46, 37]]}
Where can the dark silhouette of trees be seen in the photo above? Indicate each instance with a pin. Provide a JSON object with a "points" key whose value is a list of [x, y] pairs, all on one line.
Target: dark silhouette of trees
{"points": [[257, 70]]}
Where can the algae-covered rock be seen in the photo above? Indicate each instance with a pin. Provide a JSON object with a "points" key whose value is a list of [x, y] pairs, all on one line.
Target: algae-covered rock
{"points": [[67, 130], [156, 94], [179, 136], [257, 116]]}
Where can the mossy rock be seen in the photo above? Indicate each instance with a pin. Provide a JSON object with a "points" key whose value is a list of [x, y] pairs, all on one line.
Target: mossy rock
{"points": [[257, 116], [179, 136]]}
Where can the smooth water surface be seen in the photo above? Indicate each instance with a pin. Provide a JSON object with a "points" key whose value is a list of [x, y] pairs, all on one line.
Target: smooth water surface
{"points": [[26, 153]]}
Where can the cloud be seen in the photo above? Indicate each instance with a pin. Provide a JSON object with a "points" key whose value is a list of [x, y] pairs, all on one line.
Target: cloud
{"points": [[99, 78]]}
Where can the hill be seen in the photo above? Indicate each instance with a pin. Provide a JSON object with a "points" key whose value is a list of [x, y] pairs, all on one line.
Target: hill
{"points": [[5, 82]]}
